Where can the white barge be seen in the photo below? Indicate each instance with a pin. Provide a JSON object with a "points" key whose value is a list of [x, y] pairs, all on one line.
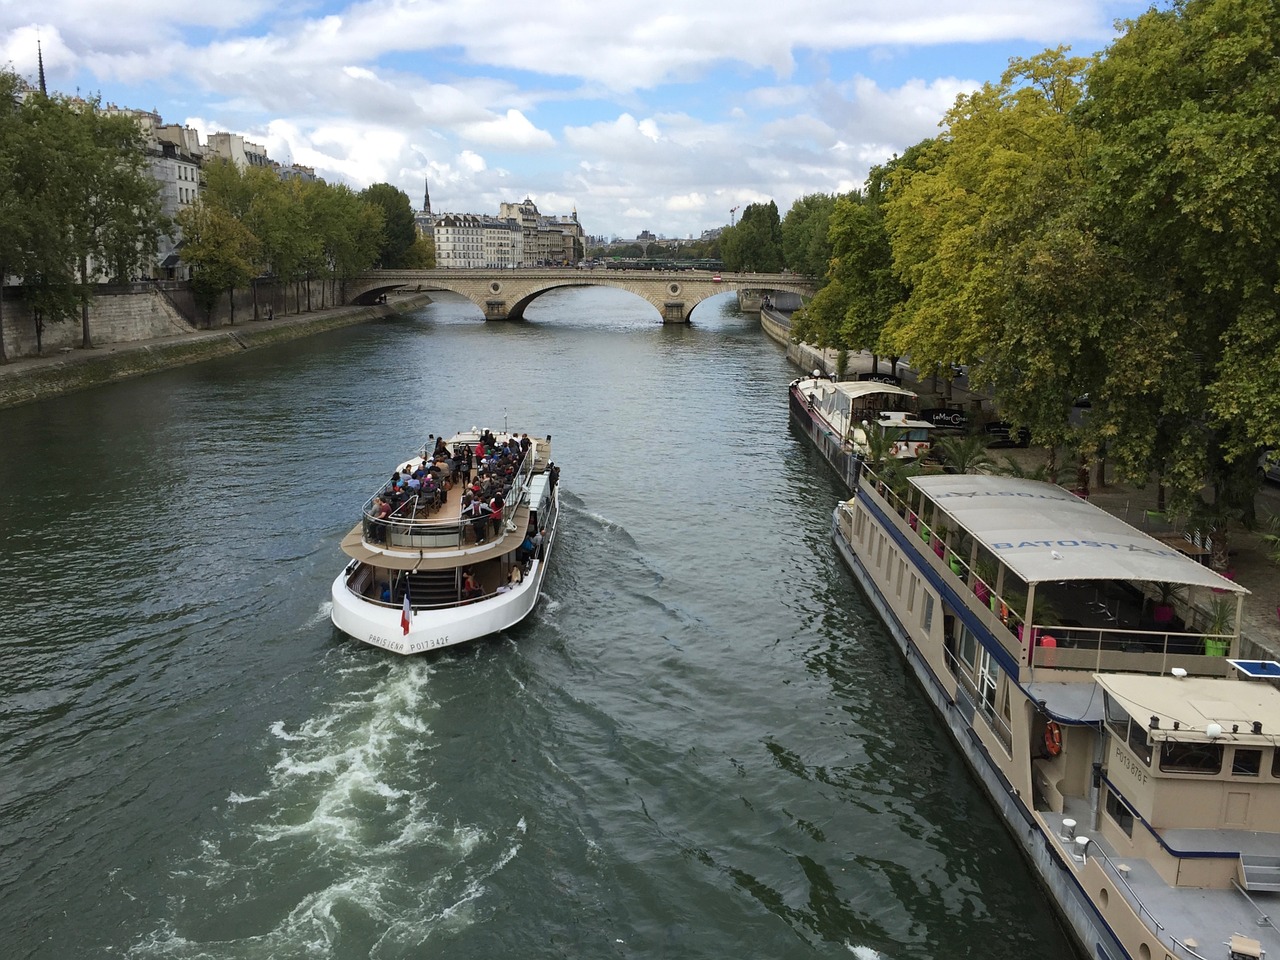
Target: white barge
{"points": [[432, 565], [844, 418], [1088, 674]]}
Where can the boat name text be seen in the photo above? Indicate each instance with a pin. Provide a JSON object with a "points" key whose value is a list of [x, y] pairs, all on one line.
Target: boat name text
{"points": [[1092, 544]]}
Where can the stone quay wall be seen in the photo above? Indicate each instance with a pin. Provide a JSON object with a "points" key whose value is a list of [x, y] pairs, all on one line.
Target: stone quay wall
{"points": [[117, 314], [28, 380]]}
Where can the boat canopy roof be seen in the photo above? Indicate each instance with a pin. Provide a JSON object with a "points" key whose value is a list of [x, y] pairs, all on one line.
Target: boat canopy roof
{"points": [[1044, 533], [1195, 702], [858, 388]]}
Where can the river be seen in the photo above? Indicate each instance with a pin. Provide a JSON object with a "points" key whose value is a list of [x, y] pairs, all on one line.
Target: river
{"points": [[702, 745]]}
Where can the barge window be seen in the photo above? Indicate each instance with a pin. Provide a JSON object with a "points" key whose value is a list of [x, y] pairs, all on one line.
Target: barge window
{"points": [[927, 618], [1275, 764], [1117, 718], [911, 594], [1138, 741], [1246, 762], [968, 647], [902, 570], [1191, 757], [1118, 811]]}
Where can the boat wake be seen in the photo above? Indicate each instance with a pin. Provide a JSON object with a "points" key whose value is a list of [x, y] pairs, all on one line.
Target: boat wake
{"points": [[342, 845]]}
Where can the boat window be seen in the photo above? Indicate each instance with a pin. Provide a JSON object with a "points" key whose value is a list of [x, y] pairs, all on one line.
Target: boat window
{"points": [[927, 618], [1117, 717], [911, 593], [1191, 757], [968, 646], [1118, 811], [1246, 762], [1138, 741]]}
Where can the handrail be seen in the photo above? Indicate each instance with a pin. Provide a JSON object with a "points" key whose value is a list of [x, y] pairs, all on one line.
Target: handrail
{"points": [[1142, 907], [1011, 616]]}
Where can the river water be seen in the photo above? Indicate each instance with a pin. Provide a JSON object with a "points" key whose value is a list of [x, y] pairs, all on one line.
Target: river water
{"points": [[702, 744]]}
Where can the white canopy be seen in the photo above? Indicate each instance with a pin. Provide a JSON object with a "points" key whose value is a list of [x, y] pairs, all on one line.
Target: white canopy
{"points": [[1044, 533]]}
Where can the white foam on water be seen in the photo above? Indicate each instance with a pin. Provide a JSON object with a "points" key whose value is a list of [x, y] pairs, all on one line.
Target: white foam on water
{"points": [[863, 953], [322, 614], [347, 788]]}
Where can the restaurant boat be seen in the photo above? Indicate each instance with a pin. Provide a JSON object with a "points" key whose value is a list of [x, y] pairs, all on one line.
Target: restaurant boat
{"points": [[841, 417], [429, 569], [1090, 676]]}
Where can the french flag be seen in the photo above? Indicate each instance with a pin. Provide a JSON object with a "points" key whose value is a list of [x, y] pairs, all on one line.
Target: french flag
{"points": [[406, 612]]}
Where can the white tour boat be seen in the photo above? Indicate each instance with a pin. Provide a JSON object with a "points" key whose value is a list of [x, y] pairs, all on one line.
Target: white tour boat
{"points": [[1091, 676], [432, 565], [840, 417]]}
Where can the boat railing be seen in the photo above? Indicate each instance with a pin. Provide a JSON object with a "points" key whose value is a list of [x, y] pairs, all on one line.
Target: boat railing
{"points": [[1004, 608], [1104, 649], [1071, 647], [404, 528], [1095, 850]]}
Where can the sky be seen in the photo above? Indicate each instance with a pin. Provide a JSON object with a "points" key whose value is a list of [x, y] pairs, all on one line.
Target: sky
{"points": [[637, 114]]}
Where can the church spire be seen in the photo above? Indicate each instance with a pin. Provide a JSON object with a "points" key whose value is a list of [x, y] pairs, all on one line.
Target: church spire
{"points": [[426, 196], [40, 59]]}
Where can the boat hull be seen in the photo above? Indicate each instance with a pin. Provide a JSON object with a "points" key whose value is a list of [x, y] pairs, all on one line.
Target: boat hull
{"points": [[1093, 935], [380, 625]]}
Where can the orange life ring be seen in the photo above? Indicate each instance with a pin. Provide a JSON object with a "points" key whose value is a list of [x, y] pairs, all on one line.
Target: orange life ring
{"points": [[1052, 738], [894, 449]]}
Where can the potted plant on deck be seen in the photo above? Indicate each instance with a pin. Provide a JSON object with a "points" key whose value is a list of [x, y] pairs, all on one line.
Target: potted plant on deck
{"points": [[1162, 610], [1219, 625]]}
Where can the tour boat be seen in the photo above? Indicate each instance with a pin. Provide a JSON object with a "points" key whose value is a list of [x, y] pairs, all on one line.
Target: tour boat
{"points": [[429, 570], [840, 417], [1092, 677]]}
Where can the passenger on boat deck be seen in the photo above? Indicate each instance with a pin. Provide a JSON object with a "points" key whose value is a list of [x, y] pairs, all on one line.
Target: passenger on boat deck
{"points": [[516, 575], [525, 443], [495, 513], [441, 450], [469, 586], [538, 541], [415, 483], [480, 521], [524, 552]]}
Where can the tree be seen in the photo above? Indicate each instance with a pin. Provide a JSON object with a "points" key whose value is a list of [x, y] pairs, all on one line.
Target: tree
{"points": [[221, 251], [117, 217], [422, 255], [13, 220], [1186, 109], [991, 234], [755, 244], [806, 246], [399, 231]]}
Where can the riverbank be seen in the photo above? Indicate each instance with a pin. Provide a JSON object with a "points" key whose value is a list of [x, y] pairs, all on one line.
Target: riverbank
{"points": [[1250, 562], [31, 379]]}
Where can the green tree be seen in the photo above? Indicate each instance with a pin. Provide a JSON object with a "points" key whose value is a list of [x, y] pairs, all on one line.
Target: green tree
{"points": [[399, 231], [990, 234], [422, 255], [13, 220], [755, 244], [221, 251], [117, 217], [806, 245], [1186, 109]]}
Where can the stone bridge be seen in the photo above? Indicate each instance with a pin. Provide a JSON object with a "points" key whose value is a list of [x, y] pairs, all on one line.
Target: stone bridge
{"points": [[504, 294]]}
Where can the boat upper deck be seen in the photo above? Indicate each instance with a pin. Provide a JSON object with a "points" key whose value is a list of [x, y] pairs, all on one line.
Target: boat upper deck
{"points": [[446, 521]]}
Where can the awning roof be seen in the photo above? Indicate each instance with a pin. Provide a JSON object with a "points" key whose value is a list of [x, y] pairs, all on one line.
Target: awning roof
{"points": [[1044, 533]]}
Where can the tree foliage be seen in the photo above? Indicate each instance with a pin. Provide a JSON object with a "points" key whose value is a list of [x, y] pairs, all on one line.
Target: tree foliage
{"points": [[755, 243], [399, 231]]}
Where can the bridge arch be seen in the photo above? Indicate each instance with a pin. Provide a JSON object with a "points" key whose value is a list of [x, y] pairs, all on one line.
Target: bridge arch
{"points": [[505, 294]]}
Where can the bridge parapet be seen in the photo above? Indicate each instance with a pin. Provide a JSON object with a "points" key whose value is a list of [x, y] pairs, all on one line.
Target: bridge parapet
{"points": [[504, 294]]}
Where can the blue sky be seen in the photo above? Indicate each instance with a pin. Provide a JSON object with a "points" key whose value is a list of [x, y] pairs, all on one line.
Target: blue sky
{"points": [[638, 114]]}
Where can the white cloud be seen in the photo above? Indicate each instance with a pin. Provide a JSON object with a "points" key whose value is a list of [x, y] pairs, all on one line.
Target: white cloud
{"points": [[629, 110]]}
